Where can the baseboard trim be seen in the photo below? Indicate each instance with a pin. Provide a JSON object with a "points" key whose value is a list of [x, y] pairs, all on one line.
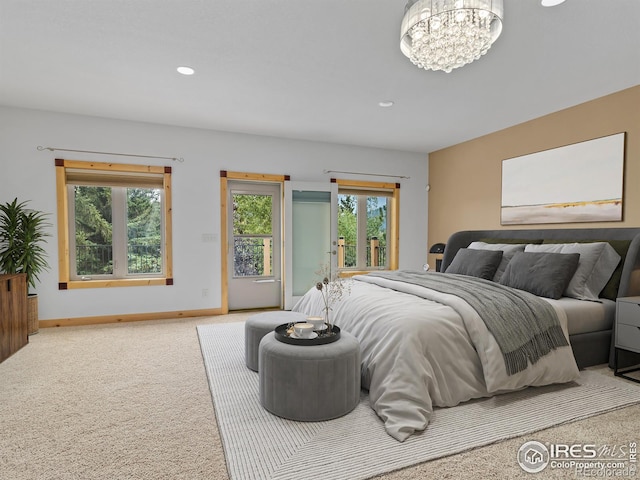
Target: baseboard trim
{"points": [[131, 317]]}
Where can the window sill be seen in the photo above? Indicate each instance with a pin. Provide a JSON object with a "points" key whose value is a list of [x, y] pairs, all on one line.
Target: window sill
{"points": [[120, 282], [351, 273]]}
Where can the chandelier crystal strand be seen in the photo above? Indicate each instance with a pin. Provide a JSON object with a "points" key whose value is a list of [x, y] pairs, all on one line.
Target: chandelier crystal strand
{"points": [[447, 34]]}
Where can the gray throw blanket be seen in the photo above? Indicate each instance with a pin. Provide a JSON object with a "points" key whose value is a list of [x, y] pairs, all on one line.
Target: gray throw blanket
{"points": [[525, 327]]}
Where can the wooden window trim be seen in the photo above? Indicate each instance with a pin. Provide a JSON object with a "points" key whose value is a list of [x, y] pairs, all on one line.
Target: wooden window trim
{"points": [[394, 234], [63, 224]]}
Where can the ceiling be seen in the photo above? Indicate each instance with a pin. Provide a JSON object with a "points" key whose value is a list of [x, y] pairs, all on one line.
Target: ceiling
{"points": [[307, 69]]}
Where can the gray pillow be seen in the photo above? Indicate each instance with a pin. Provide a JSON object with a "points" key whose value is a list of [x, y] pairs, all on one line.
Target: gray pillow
{"points": [[508, 251], [475, 263], [543, 274], [597, 263]]}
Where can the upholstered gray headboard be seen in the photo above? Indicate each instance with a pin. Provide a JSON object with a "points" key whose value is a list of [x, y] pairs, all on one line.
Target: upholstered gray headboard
{"points": [[630, 280]]}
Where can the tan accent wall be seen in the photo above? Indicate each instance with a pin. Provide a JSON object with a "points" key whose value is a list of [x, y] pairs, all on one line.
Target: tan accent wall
{"points": [[465, 179]]}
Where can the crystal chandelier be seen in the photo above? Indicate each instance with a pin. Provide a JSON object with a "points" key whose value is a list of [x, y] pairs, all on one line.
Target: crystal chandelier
{"points": [[447, 34]]}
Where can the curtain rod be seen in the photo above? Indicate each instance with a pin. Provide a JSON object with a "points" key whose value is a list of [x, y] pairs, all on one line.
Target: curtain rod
{"points": [[370, 174], [52, 149]]}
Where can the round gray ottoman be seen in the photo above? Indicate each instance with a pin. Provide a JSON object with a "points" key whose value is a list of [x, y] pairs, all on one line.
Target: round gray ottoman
{"points": [[310, 383], [258, 325]]}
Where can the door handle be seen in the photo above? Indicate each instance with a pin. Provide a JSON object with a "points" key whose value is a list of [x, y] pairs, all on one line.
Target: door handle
{"points": [[264, 281]]}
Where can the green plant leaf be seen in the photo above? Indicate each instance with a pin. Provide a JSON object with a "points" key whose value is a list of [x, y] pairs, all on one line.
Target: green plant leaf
{"points": [[22, 233]]}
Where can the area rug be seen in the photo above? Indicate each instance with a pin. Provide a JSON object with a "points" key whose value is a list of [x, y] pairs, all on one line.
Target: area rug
{"points": [[262, 446]]}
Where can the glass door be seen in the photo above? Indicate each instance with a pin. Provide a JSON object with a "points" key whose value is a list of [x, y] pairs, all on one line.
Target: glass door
{"points": [[311, 237], [254, 245]]}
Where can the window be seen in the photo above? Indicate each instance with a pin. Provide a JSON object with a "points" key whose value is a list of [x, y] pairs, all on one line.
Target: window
{"points": [[116, 224], [367, 225], [252, 234]]}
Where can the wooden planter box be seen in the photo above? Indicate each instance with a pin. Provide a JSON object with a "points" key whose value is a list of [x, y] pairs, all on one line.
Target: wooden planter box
{"points": [[13, 314]]}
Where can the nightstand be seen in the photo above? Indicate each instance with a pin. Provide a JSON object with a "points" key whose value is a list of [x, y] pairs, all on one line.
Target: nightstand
{"points": [[627, 332]]}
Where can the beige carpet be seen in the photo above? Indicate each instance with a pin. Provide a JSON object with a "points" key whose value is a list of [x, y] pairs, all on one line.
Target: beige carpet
{"points": [[131, 401]]}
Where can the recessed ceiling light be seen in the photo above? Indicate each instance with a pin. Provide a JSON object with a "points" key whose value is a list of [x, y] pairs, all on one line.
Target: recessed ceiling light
{"points": [[551, 3], [186, 70], [386, 104]]}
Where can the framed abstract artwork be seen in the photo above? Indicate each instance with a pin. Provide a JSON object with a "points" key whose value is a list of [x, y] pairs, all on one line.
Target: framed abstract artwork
{"points": [[582, 182]]}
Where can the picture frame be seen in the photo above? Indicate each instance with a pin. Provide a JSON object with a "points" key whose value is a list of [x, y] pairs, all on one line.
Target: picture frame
{"points": [[581, 182]]}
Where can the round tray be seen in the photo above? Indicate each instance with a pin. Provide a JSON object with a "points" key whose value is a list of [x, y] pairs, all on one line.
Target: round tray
{"points": [[323, 339]]}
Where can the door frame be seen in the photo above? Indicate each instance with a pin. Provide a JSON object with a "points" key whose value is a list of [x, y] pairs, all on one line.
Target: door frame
{"points": [[224, 231]]}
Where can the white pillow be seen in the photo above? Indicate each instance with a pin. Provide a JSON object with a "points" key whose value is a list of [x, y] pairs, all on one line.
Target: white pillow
{"points": [[597, 263], [508, 251]]}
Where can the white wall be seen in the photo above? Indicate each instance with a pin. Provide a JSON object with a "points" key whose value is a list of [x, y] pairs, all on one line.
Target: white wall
{"points": [[29, 174]]}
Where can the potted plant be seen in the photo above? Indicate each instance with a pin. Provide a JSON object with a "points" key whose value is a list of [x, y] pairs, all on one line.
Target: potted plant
{"points": [[22, 232]]}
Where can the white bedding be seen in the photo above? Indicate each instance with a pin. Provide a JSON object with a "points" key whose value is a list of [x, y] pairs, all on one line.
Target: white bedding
{"points": [[420, 353], [584, 316]]}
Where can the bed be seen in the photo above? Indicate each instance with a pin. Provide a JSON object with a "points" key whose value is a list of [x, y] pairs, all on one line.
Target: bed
{"points": [[591, 346], [436, 340]]}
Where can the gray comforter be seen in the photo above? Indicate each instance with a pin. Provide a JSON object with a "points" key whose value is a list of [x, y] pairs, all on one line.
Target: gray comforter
{"points": [[536, 333], [422, 348]]}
